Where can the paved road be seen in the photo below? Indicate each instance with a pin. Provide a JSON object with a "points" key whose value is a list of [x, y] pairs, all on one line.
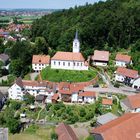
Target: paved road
{"points": [[109, 90]]}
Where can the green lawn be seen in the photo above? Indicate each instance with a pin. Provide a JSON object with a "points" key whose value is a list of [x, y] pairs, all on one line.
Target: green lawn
{"points": [[56, 75], [40, 134]]}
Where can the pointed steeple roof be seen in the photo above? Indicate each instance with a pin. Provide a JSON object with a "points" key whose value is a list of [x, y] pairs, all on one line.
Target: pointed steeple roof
{"points": [[76, 34]]}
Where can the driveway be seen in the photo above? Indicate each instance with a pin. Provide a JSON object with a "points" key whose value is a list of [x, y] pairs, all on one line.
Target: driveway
{"points": [[33, 75]]}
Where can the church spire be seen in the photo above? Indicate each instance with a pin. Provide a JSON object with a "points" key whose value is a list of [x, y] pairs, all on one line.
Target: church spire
{"points": [[76, 43], [76, 34]]}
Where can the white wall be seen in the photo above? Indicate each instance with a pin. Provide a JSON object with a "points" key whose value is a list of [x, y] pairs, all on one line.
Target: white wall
{"points": [[74, 97], [68, 65], [136, 84], [89, 99], [120, 63], [119, 78], [99, 64], [39, 67], [15, 92]]}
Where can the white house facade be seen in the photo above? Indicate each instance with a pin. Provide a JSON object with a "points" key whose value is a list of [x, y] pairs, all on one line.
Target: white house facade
{"points": [[16, 92], [87, 97], [70, 60], [136, 83], [40, 62], [122, 60], [125, 75]]}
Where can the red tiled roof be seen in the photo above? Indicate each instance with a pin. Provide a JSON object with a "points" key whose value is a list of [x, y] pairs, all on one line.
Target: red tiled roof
{"points": [[68, 56], [65, 132], [122, 57], [101, 55], [88, 94], [134, 101], [127, 72], [76, 87], [41, 59], [123, 128], [68, 92], [63, 85], [107, 102], [55, 97]]}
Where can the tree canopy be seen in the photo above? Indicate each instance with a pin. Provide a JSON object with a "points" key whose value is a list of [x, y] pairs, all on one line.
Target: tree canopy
{"points": [[110, 25]]}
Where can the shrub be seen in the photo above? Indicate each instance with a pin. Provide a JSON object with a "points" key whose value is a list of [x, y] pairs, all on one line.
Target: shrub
{"points": [[54, 136], [15, 105], [32, 129], [117, 85]]}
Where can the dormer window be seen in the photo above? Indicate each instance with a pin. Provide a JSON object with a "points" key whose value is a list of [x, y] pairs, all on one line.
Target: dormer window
{"points": [[39, 60]]}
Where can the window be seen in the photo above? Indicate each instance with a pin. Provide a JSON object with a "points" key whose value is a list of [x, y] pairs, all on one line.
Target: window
{"points": [[35, 67], [81, 64], [63, 63], [39, 64], [58, 63], [42, 64], [77, 64], [54, 63], [74, 64], [69, 64]]}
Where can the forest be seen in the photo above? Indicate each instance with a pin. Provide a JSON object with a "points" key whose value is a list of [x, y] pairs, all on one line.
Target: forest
{"points": [[112, 25]]}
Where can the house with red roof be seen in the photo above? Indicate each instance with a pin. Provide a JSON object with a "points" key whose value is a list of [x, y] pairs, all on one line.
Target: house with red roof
{"points": [[122, 60], [65, 132], [107, 103], [39, 62], [125, 127], [87, 97], [131, 103], [100, 58], [70, 60], [125, 75], [74, 92]]}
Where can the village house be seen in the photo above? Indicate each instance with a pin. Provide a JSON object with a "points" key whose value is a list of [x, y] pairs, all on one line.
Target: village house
{"points": [[34, 88], [40, 62], [122, 60], [70, 60], [107, 103], [125, 127], [100, 58], [16, 91], [87, 97], [65, 132], [125, 75], [131, 103], [136, 83]]}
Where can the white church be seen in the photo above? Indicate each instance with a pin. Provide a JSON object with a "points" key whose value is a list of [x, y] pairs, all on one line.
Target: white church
{"points": [[70, 60]]}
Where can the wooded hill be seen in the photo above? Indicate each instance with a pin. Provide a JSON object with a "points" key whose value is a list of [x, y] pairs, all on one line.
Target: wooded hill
{"points": [[110, 25]]}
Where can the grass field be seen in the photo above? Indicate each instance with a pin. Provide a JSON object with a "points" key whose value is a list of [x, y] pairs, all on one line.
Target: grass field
{"points": [[24, 19], [40, 134], [56, 75]]}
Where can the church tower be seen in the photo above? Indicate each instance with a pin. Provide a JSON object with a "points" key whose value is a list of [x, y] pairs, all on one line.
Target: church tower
{"points": [[76, 43]]}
